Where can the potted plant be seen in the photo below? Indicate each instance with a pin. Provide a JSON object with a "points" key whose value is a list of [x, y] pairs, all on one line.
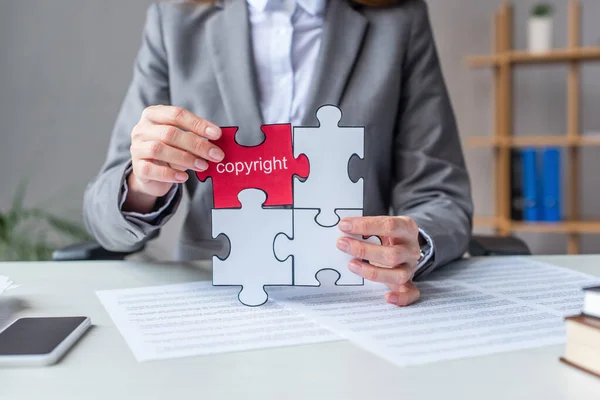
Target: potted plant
{"points": [[540, 28], [31, 234]]}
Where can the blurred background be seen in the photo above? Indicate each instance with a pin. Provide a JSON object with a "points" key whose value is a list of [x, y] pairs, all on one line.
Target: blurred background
{"points": [[65, 66]]}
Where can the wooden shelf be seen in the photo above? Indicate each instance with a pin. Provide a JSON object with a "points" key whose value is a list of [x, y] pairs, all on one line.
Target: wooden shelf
{"points": [[535, 141], [558, 227], [526, 57], [503, 61], [485, 222], [484, 141], [548, 227]]}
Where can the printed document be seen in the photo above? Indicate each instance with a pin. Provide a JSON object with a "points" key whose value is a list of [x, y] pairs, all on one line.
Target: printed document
{"points": [[469, 308], [452, 320], [196, 319], [8, 306], [6, 284], [531, 281]]}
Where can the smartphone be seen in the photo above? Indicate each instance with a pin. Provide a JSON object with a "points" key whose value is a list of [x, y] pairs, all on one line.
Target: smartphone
{"points": [[40, 341]]}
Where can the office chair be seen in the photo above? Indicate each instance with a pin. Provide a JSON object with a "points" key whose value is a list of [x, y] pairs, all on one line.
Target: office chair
{"points": [[479, 246]]}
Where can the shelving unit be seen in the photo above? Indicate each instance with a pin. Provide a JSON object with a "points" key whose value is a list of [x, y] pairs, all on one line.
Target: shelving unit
{"points": [[503, 60]]}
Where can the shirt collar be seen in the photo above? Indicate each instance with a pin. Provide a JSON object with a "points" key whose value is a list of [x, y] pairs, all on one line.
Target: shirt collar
{"points": [[313, 7]]}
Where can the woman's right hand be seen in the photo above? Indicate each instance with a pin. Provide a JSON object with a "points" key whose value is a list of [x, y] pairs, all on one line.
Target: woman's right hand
{"points": [[165, 143]]}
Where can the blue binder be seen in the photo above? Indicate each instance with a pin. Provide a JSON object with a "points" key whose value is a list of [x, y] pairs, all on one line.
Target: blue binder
{"points": [[531, 187], [551, 185]]}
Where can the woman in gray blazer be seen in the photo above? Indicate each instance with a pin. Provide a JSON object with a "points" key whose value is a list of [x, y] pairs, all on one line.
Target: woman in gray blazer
{"points": [[246, 63]]}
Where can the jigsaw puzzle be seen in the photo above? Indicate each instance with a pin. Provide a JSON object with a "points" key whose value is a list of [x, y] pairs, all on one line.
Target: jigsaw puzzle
{"points": [[313, 249], [329, 149], [251, 264], [271, 245], [269, 166]]}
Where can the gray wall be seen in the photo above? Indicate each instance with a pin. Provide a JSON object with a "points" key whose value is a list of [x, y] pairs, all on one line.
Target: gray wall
{"points": [[65, 66]]}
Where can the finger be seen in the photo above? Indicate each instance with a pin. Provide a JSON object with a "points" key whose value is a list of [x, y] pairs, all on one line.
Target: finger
{"points": [[390, 276], [175, 137], [177, 167], [159, 151], [170, 165], [182, 118], [404, 295], [387, 256], [397, 227], [150, 171]]}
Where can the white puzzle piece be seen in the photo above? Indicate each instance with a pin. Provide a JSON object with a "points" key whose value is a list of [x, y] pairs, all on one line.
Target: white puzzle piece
{"points": [[329, 149], [251, 262], [313, 248]]}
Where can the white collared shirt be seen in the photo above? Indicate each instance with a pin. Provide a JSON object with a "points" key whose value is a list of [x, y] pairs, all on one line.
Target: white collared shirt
{"points": [[286, 39]]}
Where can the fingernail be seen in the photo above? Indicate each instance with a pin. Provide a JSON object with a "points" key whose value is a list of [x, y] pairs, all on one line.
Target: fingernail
{"points": [[345, 226], [180, 176], [212, 132], [343, 245], [354, 267], [216, 154], [393, 299], [201, 165]]}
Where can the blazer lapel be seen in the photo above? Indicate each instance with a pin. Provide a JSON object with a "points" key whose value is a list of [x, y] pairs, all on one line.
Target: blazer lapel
{"points": [[343, 35], [228, 34]]}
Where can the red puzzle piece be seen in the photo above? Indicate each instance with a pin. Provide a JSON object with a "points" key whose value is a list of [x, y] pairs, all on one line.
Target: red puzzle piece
{"points": [[269, 166]]}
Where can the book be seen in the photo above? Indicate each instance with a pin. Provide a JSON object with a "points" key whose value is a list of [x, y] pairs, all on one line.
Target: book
{"points": [[516, 186], [583, 344], [550, 177], [591, 301], [531, 186]]}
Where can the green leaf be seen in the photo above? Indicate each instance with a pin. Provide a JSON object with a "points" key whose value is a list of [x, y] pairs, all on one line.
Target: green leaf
{"points": [[14, 220], [6, 252], [28, 248], [542, 10], [14, 214], [23, 232], [40, 250], [61, 225], [20, 251], [3, 228], [66, 227]]}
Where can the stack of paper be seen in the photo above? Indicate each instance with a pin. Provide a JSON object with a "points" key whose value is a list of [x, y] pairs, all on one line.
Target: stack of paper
{"points": [[6, 284], [197, 318], [7, 306], [468, 309]]}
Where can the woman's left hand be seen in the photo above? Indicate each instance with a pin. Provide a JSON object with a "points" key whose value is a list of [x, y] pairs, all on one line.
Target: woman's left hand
{"points": [[392, 263]]}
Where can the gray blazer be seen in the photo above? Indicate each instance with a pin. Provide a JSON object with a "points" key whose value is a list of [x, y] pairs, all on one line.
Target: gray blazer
{"points": [[380, 66]]}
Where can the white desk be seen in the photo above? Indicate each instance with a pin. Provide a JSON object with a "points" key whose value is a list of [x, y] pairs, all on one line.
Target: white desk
{"points": [[102, 367]]}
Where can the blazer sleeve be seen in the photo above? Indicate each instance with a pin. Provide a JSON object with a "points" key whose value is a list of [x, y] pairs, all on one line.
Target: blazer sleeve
{"points": [[103, 217], [432, 184]]}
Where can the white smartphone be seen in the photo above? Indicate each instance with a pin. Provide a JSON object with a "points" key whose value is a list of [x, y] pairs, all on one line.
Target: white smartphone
{"points": [[40, 341]]}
